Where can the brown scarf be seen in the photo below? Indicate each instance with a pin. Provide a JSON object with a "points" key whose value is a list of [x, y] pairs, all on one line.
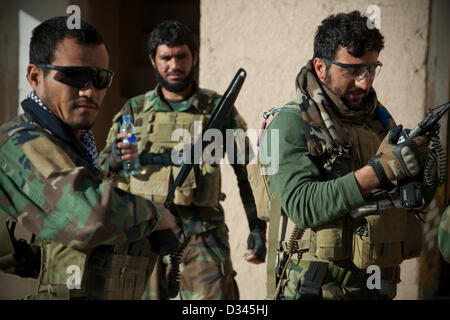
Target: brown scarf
{"points": [[323, 111]]}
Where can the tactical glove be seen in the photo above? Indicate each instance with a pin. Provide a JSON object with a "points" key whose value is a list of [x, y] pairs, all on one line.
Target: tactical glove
{"points": [[115, 157], [257, 242], [398, 161]]}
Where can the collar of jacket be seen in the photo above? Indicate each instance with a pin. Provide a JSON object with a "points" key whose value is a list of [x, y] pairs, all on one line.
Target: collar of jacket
{"points": [[48, 121], [155, 100]]}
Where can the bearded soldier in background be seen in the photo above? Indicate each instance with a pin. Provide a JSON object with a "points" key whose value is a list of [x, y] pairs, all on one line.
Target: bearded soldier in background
{"points": [[177, 102]]}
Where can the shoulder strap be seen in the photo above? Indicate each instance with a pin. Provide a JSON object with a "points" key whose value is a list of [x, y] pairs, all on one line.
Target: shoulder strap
{"points": [[275, 217], [274, 225]]}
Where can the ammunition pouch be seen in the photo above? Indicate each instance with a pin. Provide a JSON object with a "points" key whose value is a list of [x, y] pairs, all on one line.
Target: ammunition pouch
{"points": [[116, 275], [386, 239], [105, 272], [202, 186], [331, 241]]}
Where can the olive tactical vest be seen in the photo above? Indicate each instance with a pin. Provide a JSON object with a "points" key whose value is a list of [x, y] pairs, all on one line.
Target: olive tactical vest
{"points": [[385, 239], [104, 272], [161, 132]]}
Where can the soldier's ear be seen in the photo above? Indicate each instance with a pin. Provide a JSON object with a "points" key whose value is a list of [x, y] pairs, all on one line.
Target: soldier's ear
{"points": [[195, 58], [34, 76], [152, 61], [320, 68]]}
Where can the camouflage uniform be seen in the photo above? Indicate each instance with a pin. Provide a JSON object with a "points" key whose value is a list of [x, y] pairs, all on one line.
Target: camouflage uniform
{"points": [[444, 235], [208, 272], [71, 214]]}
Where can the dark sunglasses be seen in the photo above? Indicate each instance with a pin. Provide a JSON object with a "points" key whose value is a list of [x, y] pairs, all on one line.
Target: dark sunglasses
{"points": [[80, 77], [360, 70]]}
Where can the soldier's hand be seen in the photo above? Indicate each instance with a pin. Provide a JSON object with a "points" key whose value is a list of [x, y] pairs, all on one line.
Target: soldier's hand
{"points": [[121, 151], [256, 245], [164, 240], [397, 161], [167, 219]]}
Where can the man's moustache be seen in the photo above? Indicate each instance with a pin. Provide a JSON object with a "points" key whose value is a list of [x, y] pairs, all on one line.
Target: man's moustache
{"points": [[355, 91], [92, 103], [175, 73]]}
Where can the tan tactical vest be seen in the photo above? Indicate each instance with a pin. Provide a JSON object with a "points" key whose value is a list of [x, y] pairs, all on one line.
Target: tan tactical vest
{"points": [[391, 237], [202, 186], [388, 238], [104, 272]]}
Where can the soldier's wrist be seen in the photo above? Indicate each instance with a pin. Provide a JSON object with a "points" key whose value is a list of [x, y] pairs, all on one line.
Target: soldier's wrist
{"points": [[258, 225], [377, 167]]}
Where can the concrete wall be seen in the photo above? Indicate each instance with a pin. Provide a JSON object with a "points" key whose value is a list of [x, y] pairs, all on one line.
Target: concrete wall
{"points": [[272, 40]]}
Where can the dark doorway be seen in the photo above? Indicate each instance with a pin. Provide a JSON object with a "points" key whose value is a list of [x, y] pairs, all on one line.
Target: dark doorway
{"points": [[126, 26]]}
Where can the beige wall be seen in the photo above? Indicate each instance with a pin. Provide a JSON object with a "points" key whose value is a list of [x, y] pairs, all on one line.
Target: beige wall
{"points": [[272, 40]]}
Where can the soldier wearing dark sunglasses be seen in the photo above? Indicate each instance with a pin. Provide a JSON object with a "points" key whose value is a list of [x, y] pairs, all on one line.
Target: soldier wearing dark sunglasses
{"points": [[81, 77], [59, 217]]}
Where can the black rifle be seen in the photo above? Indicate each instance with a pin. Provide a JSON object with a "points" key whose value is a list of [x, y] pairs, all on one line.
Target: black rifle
{"points": [[410, 189], [166, 241]]}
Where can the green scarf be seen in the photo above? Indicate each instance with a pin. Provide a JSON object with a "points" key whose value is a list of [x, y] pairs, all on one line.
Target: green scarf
{"points": [[323, 113]]}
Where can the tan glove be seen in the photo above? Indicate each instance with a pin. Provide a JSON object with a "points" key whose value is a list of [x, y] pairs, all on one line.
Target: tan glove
{"points": [[398, 161]]}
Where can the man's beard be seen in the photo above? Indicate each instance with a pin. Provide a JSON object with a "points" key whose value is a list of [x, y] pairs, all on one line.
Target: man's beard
{"points": [[328, 82], [82, 123], [176, 86], [80, 126]]}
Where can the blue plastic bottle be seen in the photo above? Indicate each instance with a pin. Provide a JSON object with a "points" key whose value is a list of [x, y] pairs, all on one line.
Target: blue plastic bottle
{"points": [[133, 166]]}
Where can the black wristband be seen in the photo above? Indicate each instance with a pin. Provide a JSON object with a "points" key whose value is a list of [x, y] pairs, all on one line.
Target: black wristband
{"points": [[378, 168], [257, 224]]}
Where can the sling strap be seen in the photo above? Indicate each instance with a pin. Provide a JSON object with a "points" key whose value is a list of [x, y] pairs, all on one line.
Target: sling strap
{"points": [[311, 286], [274, 225]]}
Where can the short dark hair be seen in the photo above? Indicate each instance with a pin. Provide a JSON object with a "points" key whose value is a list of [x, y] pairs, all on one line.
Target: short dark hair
{"points": [[348, 30], [172, 33], [48, 34]]}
